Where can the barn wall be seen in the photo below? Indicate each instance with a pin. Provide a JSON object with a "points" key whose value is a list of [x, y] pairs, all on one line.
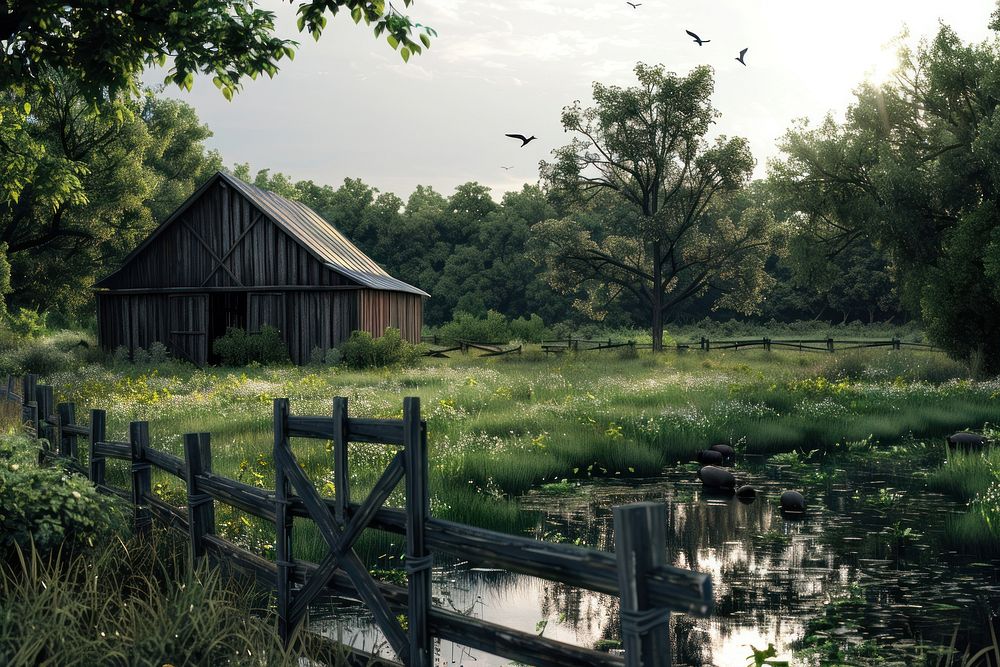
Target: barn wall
{"points": [[223, 225], [381, 310], [132, 321], [319, 319]]}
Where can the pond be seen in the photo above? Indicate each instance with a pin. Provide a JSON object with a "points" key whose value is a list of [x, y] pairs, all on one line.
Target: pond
{"points": [[865, 568]]}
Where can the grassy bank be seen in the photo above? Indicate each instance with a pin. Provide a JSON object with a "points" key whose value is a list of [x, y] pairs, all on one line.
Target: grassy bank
{"points": [[500, 426]]}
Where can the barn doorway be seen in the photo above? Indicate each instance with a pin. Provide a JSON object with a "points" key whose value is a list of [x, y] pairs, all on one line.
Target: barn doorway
{"points": [[225, 310]]}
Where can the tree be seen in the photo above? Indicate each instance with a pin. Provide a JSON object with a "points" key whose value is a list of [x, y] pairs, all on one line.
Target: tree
{"points": [[913, 170], [672, 226], [106, 45], [131, 161]]}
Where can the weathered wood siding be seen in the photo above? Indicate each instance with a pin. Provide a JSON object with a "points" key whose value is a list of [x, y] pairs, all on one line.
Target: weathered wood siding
{"points": [[222, 240], [381, 310], [319, 319]]}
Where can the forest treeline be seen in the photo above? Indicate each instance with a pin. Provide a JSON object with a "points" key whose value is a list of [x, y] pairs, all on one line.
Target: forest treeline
{"points": [[887, 212]]}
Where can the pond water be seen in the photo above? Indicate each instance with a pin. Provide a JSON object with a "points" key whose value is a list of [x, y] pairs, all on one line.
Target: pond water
{"points": [[770, 575]]}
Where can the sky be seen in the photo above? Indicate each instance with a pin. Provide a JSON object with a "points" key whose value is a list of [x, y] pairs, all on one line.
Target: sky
{"points": [[348, 107]]}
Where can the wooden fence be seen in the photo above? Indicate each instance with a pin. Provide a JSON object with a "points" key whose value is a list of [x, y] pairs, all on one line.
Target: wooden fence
{"points": [[764, 343], [442, 346], [637, 572]]}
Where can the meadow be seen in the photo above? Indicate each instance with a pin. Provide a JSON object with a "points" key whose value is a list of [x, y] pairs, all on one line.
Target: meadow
{"points": [[503, 425]]}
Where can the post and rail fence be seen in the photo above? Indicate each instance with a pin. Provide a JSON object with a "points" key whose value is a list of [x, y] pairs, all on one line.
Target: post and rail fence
{"points": [[648, 588]]}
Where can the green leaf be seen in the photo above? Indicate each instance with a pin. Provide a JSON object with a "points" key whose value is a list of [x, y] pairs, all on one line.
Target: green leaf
{"points": [[405, 52], [27, 107], [356, 14], [426, 40], [218, 82], [393, 42], [301, 22]]}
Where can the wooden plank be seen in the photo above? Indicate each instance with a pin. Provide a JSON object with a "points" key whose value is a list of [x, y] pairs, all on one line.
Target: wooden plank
{"points": [[67, 438], [200, 509], [166, 513], [383, 431], [113, 450], [641, 547], [283, 523], [418, 558], [341, 473], [97, 434], [141, 478], [167, 462]]}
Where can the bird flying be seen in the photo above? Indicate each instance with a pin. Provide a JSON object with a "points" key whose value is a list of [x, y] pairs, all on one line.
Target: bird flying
{"points": [[634, 5], [742, 53], [524, 140], [698, 40], [507, 168]]}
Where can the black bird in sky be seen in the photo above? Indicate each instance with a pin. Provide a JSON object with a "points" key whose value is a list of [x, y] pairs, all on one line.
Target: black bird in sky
{"points": [[698, 40], [524, 140], [742, 53], [507, 168], [634, 5]]}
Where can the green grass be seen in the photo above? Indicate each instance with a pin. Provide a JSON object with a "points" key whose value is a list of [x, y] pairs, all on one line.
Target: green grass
{"points": [[973, 477], [500, 426], [138, 603]]}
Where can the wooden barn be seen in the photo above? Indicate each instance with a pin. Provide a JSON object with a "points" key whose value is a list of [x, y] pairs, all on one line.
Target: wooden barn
{"points": [[234, 255]]}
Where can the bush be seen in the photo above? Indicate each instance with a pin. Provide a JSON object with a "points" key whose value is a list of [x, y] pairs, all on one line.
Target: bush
{"points": [[363, 351], [45, 507], [532, 330], [239, 348], [27, 323], [37, 357], [494, 328]]}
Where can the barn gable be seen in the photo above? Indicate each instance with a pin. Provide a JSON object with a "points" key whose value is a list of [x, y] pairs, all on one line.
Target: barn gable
{"points": [[233, 234]]}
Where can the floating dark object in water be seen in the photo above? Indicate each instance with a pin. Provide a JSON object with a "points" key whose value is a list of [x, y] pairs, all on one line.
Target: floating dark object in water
{"points": [[793, 502], [746, 493], [710, 457], [728, 453], [966, 440], [717, 478]]}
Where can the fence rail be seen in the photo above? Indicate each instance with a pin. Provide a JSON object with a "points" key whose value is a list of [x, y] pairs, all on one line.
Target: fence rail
{"points": [[649, 588], [765, 343]]}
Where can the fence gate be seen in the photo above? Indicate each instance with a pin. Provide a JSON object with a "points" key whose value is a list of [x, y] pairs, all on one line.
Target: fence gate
{"points": [[340, 532]]}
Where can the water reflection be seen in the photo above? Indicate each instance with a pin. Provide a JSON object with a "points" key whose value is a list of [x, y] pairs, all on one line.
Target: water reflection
{"points": [[771, 575]]}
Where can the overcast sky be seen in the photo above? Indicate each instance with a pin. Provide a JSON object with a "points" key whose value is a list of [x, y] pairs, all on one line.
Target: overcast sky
{"points": [[348, 106]]}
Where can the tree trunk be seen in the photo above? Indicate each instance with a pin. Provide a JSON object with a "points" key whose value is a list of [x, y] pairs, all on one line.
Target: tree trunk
{"points": [[657, 300]]}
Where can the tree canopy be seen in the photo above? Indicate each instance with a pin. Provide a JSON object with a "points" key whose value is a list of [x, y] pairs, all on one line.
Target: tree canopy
{"points": [[106, 45], [675, 219], [913, 170]]}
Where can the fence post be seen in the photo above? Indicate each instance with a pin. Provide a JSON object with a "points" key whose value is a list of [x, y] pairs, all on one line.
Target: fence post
{"points": [[829, 345], [341, 476], [283, 522], [201, 511], [142, 486], [895, 343], [43, 397], [767, 344], [97, 434], [640, 547], [27, 400], [67, 441], [10, 387], [418, 559]]}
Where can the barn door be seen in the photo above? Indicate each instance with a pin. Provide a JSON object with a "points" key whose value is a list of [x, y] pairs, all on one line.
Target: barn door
{"points": [[189, 327], [266, 309]]}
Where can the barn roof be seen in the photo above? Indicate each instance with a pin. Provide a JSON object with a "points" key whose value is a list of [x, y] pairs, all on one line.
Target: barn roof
{"points": [[308, 228]]}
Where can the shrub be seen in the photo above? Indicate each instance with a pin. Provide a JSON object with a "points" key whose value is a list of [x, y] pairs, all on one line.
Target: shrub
{"points": [[47, 509], [363, 351], [239, 348], [494, 328], [27, 323], [532, 330], [37, 357]]}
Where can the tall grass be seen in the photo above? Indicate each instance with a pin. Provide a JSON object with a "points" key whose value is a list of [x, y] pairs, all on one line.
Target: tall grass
{"points": [[500, 426], [134, 604]]}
